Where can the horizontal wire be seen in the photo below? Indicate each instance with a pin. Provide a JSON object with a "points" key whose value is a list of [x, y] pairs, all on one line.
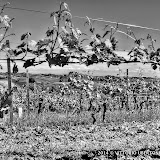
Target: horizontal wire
{"points": [[29, 10], [99, 19], [124, 24], [95, 19], [57, 53]]}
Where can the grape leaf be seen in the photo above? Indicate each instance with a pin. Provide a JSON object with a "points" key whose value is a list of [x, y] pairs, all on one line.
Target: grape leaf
{"points": [[28, 63], [21, 45], [15, 68], [24, 36], [154, 66]]}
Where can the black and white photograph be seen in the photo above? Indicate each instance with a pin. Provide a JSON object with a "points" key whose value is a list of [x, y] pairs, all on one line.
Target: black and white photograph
{"points": [[79, 79]]}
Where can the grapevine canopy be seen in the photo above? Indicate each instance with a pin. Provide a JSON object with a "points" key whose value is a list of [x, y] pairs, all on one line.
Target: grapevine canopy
{"points": [[64, 44]]}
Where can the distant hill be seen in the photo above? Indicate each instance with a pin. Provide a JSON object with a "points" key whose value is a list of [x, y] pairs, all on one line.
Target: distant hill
{"points": [[50, 80]]}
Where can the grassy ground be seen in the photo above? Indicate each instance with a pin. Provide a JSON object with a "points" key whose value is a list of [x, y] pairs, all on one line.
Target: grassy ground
{"points": [[55, 136], [123, 135]]}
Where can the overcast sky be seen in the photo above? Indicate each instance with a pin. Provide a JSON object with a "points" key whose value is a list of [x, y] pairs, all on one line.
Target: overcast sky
{"points": [[137, 12]]}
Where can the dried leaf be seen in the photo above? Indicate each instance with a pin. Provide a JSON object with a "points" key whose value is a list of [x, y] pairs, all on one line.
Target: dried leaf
{"points": [[23, 50], [88, 21], [53, 14], [15, 68], [68, 23], [17, 53], [25, 36], [21, 45], [66, 6], [29, 50], [106, 33], [92, 30], [98, 36], [68, 14], [50, 32], [5, 45], [55, 20], [84, 40], [154, 66]]}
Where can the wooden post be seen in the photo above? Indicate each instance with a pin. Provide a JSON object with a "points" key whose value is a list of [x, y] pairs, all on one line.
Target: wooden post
{"points": [[27, 87], [9, 90], [35, 92], [127, 91]]}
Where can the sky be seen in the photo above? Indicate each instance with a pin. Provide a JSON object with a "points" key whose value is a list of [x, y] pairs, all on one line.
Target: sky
{"points": [[137, 12]]}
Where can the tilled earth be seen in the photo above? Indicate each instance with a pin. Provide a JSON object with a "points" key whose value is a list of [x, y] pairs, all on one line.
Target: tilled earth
{"points": [[126, 141]]}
